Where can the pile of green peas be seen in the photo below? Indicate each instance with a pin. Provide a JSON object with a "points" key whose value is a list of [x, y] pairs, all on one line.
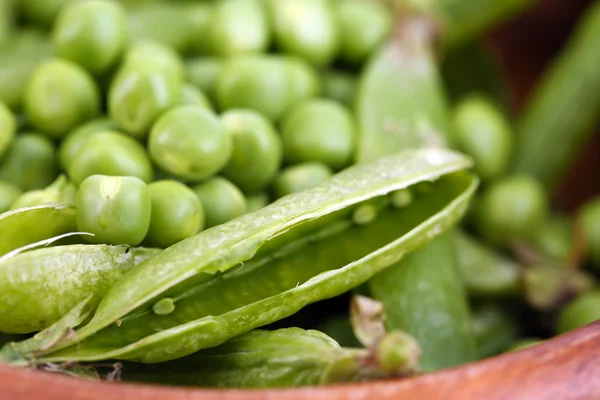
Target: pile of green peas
{"points": [[157, 121]]}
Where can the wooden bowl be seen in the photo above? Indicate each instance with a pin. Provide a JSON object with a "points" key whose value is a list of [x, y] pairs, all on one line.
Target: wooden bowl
{"points": [[566, 367]]}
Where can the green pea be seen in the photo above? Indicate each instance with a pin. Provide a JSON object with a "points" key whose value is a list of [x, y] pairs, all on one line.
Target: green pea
{"points": [[71, 144], [42, 12], [30, 162], [255, 202], [91, 33], [176, 213], [202, 72], [307, 28], [8, 194], [31, 198], [139, 94], [267, 84], [485, 134], [199, 15], [222, 201], [580, 312], [401, 198], [319, 130], [190, 142], [257, 149], [115, 209], [59, 96], [511, 209], [164, 306], [364, 25], [157, 54], [300, 177], [554, 238], [238, 27], [339, 86], [61, 191], [192, 96], [110, 153], [8, 126], [590, 223]]}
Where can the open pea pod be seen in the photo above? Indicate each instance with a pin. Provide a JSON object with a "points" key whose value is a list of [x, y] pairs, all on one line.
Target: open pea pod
{"points": [[24, 226], [267, 265]]}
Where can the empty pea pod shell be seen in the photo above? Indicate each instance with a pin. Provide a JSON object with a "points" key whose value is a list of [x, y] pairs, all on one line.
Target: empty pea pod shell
{"points": [[267, 265], [38, 287], [25, 226]]}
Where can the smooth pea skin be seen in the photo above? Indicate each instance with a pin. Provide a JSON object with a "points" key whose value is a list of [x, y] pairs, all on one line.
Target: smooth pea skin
{"points": [[115, 209], [202, 72], [511, 209], [318, 130], [590, 223], [30, 162], [110, 153], [91, 33], [485, 134], [60, 95], [306, 28], [267, 84], [300, 177], [157, 54], [257, 150], [8, 126], [192, 96], [176, 213], [139, 94], [71, 144], [339, 86], [190, 142], [222, 201], [364, 25], [256, 201], [8, 194], [238, 27], [580, 312]]}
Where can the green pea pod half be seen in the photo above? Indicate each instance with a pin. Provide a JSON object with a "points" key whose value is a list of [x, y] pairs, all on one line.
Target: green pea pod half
{"points": [[400, 101], [484, 271], [40, 286], [267, 265], [29, 225]]}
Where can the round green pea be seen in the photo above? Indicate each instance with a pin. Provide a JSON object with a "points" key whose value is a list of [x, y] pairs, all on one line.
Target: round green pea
{"points": [[339, 86], [511, 209], [110, 153], [238, 27], [590, 222], [306, 28], [176, 213], [363, 25], [115, 209], [8, 127], [318, 130], [164, 306], [9, 193], [267, 84], [31, 198], [156, 54], [139, 94], [485, 134], [71, 144], [59, 96], [580, 312], [199, 15], [257, 201], [202, 72], [554, 238], [257, 150], [300, 177], [190, 142], [221, 199], [30, 162], [91, 33], [192, 96]]}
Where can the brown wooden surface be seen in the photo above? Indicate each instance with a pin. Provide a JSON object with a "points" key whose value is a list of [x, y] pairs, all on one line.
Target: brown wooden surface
{"points": [[564, 368]]}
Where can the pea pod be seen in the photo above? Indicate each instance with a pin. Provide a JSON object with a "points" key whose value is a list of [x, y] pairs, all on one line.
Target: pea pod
{"points": [[485, 272], [267, 265], [24, 226], [38, 287], [564, 108]]}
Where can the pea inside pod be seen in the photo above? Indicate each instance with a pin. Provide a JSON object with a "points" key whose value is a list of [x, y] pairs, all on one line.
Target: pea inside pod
{"points": [[301, 249]]}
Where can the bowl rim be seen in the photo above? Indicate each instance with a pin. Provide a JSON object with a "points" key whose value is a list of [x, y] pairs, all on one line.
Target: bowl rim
{"points": [[564, 367]]}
